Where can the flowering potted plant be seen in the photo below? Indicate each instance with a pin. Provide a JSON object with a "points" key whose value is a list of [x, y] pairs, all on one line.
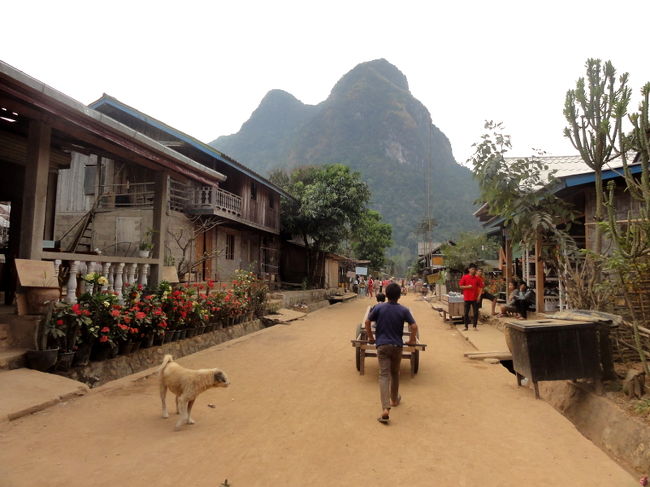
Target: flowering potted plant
{"points": [[101, 307], [146, 245], [68, 322]]}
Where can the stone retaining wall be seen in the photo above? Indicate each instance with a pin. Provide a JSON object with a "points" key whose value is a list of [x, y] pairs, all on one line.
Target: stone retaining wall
{"points": [[623, 437], [292, 298], [97, 373]]}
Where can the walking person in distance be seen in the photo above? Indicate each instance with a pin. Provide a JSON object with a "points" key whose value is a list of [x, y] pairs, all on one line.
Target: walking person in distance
{"points": [[470, 284], [390, 318]]}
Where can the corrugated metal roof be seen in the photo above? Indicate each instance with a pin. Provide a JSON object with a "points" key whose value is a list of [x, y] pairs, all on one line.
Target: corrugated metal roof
{"points": [[565, 166], [18, 76], [201, 146]]}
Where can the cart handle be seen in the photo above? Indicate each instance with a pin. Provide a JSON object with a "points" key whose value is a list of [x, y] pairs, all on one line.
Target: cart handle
{"points": [[367, 342]]}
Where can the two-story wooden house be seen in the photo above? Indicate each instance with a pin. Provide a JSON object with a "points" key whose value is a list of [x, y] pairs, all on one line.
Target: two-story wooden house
{"points": [[213, 228]]}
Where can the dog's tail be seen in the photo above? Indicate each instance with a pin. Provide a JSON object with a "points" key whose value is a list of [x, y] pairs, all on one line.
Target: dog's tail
{"points": [[168, 358]]}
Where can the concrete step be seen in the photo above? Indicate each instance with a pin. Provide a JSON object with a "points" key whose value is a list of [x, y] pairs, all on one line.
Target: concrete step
{"points": [[26, 391], [13, 358]]}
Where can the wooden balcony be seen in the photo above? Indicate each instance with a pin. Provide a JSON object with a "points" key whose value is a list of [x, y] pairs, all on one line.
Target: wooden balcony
{"points": [[210, 200], [134, 195], [218, 200]]}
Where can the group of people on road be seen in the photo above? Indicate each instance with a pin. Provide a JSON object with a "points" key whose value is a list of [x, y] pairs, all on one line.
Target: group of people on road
{"points": [[368, 287]]}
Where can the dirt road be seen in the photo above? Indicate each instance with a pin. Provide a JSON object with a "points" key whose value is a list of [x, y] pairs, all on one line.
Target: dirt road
{"points": [[298, 414]]}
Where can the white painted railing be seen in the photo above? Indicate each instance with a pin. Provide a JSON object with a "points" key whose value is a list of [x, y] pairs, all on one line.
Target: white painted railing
{"points": [[119, 274], [217, 198]]}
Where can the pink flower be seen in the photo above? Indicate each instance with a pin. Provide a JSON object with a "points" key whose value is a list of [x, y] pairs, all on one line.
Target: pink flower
{"points": [[643, 480]]}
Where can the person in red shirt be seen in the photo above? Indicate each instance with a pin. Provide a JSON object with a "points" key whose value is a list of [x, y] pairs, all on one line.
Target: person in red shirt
{"points": [[470, 283]]}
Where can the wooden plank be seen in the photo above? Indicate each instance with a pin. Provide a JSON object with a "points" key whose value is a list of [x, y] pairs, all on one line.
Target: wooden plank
{"points": [[484, 355], [36, 273]]}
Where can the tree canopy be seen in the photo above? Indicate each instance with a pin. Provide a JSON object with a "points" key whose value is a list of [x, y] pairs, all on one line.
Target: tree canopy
{"points": [[371, 238], [329, 208], [469, 248]]}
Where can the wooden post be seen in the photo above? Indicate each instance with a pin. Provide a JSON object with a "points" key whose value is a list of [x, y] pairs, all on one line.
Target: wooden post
{"points": [[35, 190], [539, 274], [508, 264], [160, 209]]}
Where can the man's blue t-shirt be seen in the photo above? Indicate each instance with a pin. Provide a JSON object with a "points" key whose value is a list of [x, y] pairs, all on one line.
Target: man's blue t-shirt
{"points": [[390, 318]]}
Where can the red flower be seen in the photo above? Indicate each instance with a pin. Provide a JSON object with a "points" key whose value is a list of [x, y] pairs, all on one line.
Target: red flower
{"points": [[106, 329], [103, 339], [210, 283], [157, 312], [115, 312], [59, 322], [162, 324], [140, 315], [127, 319], [76, 308], [139, 287]]}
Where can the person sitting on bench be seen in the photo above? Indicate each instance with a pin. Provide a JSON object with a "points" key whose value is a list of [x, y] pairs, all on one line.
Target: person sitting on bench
{"points": [[524, 298], [510, 308]]}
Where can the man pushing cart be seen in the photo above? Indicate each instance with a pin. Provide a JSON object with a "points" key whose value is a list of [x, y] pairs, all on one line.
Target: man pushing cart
{"points": [[387, 337]]}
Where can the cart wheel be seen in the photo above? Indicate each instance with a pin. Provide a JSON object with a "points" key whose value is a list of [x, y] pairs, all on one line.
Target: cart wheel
{"points": [[359, 328], [415, 361]]}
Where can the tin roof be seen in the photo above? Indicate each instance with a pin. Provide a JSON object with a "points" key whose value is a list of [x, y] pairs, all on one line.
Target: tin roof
{"points": [[54, 96], [110, 101]]}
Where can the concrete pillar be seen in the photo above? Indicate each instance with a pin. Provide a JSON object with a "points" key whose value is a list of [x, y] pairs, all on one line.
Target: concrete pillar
{"points": [[35, 190], [539, 274], [160, 217]]}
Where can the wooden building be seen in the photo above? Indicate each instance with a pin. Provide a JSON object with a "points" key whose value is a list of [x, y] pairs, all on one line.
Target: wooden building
{"points": [[576, 186], [44, 134], [213, 227]]}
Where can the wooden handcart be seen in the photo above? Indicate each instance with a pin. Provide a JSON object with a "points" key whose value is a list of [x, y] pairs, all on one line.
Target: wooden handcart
{"points": [[363, 349]]}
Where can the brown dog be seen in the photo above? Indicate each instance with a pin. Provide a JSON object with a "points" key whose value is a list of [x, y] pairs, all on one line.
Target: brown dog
{"points": [[186, 384]]}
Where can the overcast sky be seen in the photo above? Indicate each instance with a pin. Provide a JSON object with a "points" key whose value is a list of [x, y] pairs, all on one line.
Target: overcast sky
{"points": [[203, 67]]}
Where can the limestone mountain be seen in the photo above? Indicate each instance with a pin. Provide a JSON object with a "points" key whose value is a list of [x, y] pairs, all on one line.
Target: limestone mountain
{"points": [[372, 123]]}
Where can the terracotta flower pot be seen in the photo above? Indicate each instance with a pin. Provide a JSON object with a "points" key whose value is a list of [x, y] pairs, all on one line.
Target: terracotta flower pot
{"points": [[39, 297]]}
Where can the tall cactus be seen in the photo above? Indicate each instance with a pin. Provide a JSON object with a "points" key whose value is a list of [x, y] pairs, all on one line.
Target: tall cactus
{"points": [[594, 111]]}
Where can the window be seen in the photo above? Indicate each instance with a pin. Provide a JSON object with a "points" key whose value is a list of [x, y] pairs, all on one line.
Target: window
{"points": [[253, 191], [230, 247]]}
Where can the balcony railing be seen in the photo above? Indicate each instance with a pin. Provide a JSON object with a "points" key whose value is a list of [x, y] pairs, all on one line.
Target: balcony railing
{"points": [[210, 197], [127, 195]]}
